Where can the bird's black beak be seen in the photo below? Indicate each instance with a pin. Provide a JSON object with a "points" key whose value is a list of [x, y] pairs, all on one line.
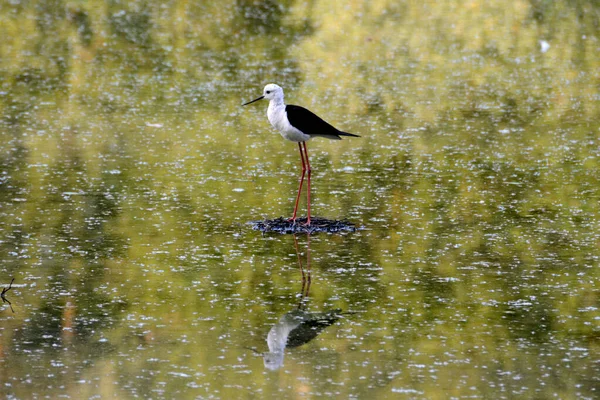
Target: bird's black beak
{"points": [[260, 98]]}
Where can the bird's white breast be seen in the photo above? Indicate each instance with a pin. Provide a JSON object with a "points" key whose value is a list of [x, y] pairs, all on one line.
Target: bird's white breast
{"points": [[278, 118]]}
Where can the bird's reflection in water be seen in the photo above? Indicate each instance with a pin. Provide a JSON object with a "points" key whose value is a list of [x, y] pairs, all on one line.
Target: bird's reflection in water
{"points": [[298, 326]]}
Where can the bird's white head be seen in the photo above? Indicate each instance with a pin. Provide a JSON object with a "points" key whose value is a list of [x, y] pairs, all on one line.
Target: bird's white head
{"points": [[273, 91]]}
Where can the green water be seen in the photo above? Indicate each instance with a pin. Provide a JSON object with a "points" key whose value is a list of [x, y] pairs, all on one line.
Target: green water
{"points": [[129, 172]]}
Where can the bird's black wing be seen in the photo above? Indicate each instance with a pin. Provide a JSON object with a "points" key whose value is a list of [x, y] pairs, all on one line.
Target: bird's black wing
{"points": [[310, 123]]}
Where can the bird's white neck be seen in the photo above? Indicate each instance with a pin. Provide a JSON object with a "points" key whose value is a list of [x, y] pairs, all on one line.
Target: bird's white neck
{"points": [[276, 112], [276, 102]]}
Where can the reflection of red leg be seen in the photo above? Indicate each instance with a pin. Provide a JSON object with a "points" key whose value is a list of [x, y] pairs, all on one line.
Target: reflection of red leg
{"points": [[293, 219], [308, 263], [308, 183], [306, 279], [300, 264]]}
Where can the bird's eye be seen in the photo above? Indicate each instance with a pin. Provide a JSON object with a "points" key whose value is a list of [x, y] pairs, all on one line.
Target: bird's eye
{"points": [[268, 91]]}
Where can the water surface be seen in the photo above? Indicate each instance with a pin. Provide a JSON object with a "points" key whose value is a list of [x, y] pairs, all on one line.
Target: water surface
{"points": [[129, 173]]}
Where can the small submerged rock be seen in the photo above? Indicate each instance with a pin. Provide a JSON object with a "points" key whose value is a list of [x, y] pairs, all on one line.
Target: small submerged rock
{"points": [[317, 224]]}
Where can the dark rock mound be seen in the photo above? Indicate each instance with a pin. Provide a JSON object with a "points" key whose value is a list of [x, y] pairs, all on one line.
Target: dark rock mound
{"points": [[282, 225]]}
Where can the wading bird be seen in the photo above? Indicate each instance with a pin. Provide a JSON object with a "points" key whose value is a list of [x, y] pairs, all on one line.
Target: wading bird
{"points": [[299, 125]]}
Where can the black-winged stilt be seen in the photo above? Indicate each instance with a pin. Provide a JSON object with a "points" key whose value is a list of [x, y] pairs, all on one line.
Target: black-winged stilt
{"points": [[299, 125]]}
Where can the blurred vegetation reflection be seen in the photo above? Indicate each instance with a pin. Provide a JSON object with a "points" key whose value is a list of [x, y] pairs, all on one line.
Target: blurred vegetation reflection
{"points": [[128, 171]]}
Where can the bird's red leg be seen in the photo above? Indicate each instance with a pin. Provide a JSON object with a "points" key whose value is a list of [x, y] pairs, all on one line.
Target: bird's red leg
{"points": [[307, 184], [293, 219]]}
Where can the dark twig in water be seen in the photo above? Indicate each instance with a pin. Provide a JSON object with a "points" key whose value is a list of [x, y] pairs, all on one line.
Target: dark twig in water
{"points": [[4, 299], [256, 352], [282, 225]]}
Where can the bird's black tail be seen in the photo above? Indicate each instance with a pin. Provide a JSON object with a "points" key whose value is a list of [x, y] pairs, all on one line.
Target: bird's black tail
{"points": [[347, 134]]}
